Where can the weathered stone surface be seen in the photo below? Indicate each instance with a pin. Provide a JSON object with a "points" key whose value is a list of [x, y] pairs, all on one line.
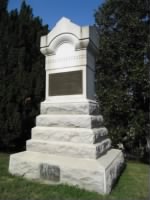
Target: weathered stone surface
{"points": [[72, 121], [94, 175], [113, 171], [49, 172], [75, 135], [113, 162], [90, 108], [79, 150], [100, 134]]}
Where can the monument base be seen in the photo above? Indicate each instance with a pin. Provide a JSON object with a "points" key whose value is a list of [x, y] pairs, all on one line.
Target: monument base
{"points": [[92, 174]]}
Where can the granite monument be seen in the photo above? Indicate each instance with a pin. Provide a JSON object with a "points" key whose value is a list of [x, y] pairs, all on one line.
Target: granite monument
{"points": [[69, 143]]}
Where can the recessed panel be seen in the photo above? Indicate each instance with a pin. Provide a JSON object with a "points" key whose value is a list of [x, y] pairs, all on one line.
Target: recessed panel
{"points": [[66, 83], [49, 172]]}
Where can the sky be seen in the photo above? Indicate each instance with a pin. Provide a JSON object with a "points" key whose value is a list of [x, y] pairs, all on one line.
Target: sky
{"points": [[80, 12]]}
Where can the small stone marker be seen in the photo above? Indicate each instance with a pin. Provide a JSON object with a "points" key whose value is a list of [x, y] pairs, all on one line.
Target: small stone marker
{"points": [[69, 143], [49, 172]]}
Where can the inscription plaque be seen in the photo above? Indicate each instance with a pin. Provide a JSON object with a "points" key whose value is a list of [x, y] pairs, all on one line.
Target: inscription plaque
{"points": [[49, 172], [66, 83]]}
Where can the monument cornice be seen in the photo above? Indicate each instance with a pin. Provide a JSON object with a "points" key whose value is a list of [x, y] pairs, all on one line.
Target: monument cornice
{"points": [[67, 32]]}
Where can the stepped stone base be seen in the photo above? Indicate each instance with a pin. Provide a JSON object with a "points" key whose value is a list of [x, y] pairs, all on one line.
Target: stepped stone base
{"points": [[92, 174], [69, 145], [91, 151]]}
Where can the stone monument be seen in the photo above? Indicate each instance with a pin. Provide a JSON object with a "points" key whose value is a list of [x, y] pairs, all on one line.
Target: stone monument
{"points": [[69, 143]]}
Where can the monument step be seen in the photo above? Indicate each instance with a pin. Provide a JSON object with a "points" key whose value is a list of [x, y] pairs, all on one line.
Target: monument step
{"points": [[91, 151], [75, 135], [89, 108], [74, 121], [94, 175]]}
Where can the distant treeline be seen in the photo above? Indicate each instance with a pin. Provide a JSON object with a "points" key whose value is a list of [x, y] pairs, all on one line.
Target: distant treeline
{"points": [[22, 74], [123, 77]]}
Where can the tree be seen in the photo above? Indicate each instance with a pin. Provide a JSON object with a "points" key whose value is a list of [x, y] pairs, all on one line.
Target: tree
{"points": [[123, 73], [3, 58], [22, 75]]}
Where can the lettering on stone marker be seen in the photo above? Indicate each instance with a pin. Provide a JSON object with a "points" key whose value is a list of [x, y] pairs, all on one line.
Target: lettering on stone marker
{"points": [[49, 172]]}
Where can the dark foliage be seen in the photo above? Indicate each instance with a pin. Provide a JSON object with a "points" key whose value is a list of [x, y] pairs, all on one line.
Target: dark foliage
{"points": [[123, 72], [22, 74]]}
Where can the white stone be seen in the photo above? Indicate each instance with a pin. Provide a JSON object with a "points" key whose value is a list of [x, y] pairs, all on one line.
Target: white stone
{"points": [[66, 48], [75, 135], [89, 108], [91, 151], [66, 31], [72, 121], [94, 175]]}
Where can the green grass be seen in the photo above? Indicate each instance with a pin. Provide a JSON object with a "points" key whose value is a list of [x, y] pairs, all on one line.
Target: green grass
{"points": [[132, 185]]}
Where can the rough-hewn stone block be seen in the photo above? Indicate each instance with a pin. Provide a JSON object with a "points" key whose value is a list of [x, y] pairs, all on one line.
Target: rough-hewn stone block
{"points": [[94, 175], [75, 135], [72, 121], [91, 151], [89, 108]]}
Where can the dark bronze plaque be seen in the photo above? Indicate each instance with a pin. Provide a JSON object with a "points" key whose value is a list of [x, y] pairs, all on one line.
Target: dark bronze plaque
{"points": [[66, 83]]}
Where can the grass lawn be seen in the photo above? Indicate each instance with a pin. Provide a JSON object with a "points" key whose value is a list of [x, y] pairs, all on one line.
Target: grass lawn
{"points": [[132, 185]]}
